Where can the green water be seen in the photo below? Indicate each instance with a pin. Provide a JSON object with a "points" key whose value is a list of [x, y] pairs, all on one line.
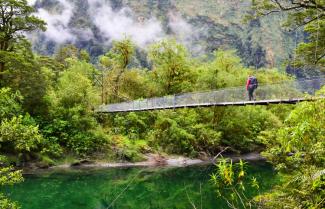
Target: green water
{"points": [[127, 188]]}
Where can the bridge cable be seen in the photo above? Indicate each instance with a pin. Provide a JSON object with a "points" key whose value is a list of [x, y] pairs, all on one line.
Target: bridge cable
{"points": [[317, 36], [295, 53]]}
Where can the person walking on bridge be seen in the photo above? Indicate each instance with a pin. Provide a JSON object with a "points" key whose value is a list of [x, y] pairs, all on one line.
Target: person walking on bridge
{"points": [[251, 85]]}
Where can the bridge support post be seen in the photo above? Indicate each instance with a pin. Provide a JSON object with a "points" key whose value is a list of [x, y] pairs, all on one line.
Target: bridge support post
{"points": [[174, 102]]}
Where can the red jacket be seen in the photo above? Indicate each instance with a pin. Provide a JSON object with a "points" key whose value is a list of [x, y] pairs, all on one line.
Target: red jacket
{"points": [[247, 83]]}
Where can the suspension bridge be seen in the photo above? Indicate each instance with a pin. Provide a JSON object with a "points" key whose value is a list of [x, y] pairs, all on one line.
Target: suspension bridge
{"points": [[287, 92]]}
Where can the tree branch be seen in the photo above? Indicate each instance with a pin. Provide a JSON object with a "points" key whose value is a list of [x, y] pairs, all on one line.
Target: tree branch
{"points": [[220, 153], [319, 58]]}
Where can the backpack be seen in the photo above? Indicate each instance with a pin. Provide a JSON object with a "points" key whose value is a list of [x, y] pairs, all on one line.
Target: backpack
{"points": [[253, 81]]}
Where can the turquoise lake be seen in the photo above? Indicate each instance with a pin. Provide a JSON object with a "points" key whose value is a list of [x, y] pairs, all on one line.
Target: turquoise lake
{"points": [[138, 188]]}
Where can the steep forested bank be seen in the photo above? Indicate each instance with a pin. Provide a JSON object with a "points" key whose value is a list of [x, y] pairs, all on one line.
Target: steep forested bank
{"points": [[47, 109], [63, 121]]}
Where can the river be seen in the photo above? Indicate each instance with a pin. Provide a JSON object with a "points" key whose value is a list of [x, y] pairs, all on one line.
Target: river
{"points": [[138, 188]]}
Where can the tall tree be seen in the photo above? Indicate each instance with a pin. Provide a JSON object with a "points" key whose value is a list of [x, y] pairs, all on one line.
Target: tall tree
{"points": [[116, 62], [171, 67], [308, 14], [16, 18]]}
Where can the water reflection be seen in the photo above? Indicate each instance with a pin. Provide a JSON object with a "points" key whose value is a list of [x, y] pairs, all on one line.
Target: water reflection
{"points": [[148, 188]]}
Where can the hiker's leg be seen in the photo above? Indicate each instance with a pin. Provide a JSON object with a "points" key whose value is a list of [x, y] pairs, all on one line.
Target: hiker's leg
{"points": [[250, 94]]}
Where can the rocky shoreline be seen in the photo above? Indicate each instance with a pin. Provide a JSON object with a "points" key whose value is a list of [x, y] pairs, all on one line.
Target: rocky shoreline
{"points": [[154, 160]]}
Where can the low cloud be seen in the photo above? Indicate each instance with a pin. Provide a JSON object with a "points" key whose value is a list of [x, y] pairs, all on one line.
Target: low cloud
{"points": [[116, 25], [57, 22], [182, 29], [31, 2], [185, 33]]}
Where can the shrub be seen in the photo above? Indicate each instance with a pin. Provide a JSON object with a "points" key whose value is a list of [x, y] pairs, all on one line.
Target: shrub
{"points": [[10, 103], [20, 135]]}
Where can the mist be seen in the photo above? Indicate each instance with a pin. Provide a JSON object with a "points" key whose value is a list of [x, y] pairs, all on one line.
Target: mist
{"points": [[58, 22], [31, 2], [114, 24], [117, 25]]}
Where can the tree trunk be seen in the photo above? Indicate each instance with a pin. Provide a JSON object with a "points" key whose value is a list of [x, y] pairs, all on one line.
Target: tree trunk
{"points": [[2, 69]]}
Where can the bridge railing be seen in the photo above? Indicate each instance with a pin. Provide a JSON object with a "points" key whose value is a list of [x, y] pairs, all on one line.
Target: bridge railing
{"points": [[285, 90]]}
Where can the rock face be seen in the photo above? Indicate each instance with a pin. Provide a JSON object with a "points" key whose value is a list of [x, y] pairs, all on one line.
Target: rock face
{"points": [[202, 25]]}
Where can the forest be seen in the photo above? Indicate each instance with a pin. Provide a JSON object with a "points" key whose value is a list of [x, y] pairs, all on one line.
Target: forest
{"points": [[47, 106]]}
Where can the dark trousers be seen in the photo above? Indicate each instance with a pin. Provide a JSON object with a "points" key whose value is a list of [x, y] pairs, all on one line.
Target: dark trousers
{"points": [[251, 93]]}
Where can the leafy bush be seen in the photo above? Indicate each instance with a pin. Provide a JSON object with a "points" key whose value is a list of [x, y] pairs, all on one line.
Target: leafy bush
{"points": [[71, 123], [20, 135], [181, 132], [8, 177], [10, 103], [133, 125], [240, 126], [87, 142], [297, 151], [231, 181], [130, 150]]}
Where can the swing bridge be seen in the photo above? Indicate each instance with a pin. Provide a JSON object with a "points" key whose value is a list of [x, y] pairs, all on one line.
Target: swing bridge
{"points": [[285, 92]]}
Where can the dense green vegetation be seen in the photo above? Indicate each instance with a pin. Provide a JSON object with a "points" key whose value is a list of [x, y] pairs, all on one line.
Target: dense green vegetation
{"points": [[47, 103], [296, 149], [308, 15]]}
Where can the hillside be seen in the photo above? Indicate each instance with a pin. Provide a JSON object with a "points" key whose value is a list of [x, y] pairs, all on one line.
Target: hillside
{"points": [[202, 25]]}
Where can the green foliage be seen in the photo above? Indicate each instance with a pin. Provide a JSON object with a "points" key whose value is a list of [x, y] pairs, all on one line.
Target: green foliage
{"points": [[8, 177], [297, 151], [205, 130], [116, 62], [171, 67], [10, 103], [136, 83], [20, 135], [133, 125], [302, 135], [129, 149], [71, 123], [17, 17], [231, 184], [7, 204], [183, 132], [23, 74], [87, 142], [120, 55], [241, 126], [67, 52], [72, 93], [75, 129], [306, 14], [171, 136], [313, 51], [226, 70]]}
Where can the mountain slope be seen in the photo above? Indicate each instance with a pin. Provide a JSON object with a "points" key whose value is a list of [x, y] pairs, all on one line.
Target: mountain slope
{"points": [[202, 25]]}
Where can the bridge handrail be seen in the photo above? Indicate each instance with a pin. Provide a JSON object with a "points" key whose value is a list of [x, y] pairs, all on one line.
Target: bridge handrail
{"points": [[289, 88]]}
